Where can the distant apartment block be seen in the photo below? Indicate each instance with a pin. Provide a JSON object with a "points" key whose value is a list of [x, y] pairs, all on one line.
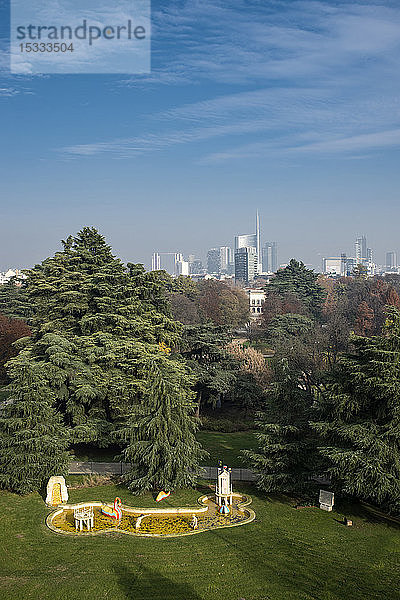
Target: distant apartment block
{"points": [[171, 262], [391, 260], [196, 267], [213, 261], [334, 266], [220, 261], [270, 257]]}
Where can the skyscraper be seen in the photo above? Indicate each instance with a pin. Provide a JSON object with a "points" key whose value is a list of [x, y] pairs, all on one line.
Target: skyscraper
{"points": [[391, 260], [258, 246], [220, 261], [172, 262], [247, 240], [270, 257], [251, 240], [226, 259], [245, 264], [214, 261], [361, 249], [196, 267]]}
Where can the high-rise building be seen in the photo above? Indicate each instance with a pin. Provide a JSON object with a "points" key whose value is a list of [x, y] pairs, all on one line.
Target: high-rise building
{"points": [[182, 267], [172, 262], [334, 265], [227, 260], [391, 260], [251, 240], [246, 241], [364, 255], [220, 261], [214, 261], [196, 267], [270, 257], [258, 246], [361, 249], [245, 263]]}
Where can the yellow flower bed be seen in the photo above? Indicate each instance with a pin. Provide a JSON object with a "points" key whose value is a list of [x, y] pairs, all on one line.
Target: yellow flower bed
{"points": [[152, 524]]}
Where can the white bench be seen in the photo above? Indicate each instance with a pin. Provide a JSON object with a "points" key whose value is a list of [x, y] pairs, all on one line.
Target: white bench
{"points": [[84, 516]]}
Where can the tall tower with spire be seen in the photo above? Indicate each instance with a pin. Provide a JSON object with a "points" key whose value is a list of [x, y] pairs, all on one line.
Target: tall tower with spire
{"points": [[258, 240], [248, 259]]}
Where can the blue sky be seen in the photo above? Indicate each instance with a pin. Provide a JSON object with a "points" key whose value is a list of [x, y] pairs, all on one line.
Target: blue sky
{"points": [[289, 107]]}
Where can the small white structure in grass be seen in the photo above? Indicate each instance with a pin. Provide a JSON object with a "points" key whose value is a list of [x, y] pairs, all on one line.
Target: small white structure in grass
{"points": [[326, 500], [223, 488], [84, 516], [57, 492]]}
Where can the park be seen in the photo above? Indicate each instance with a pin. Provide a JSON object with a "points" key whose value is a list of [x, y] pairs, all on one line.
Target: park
{"points": [[285, 553], [106, 363]]}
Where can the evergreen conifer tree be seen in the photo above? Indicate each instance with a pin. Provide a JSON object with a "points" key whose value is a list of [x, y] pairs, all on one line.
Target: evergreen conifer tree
{"points": [[33, 440], [92, 321], [13, 299], [205, 349], [360, 424], [160, 431], [95, 325], [297, 281], [286, 457]]}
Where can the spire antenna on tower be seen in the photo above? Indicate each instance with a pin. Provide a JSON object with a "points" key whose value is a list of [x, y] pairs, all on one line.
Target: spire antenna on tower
{"points": [[258, 241]]}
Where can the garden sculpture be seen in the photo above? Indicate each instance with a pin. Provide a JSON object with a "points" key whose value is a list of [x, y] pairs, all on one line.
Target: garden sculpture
{"points": [[113, 513]]}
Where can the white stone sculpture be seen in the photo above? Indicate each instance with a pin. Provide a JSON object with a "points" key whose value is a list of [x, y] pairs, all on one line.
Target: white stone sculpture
{"points": [[57, 492], [223, 488]]}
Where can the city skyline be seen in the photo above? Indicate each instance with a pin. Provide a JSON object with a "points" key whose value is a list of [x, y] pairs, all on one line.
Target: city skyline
{"points": [[379, 258]]}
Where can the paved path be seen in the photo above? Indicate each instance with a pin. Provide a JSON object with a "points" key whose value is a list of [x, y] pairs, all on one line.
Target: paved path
{"points": [[119, 468]]}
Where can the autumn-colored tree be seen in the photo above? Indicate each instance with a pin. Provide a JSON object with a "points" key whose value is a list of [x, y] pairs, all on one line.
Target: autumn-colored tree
{"points": [[275, 305], [11, 330], [392, 298], [252, 361], [365, 319], [328, 284], [183, 309], [223, 304]]}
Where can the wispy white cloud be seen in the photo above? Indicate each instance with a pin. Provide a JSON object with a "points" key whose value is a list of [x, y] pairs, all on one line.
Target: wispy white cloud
{"points": [[240, 42], [366, 141], [304, 77], [8, 92], [293, 146]]}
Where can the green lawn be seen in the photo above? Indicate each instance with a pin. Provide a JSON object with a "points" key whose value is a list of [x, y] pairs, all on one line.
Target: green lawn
{"points": [[221, 446], [286, 554], [226, 446]]}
